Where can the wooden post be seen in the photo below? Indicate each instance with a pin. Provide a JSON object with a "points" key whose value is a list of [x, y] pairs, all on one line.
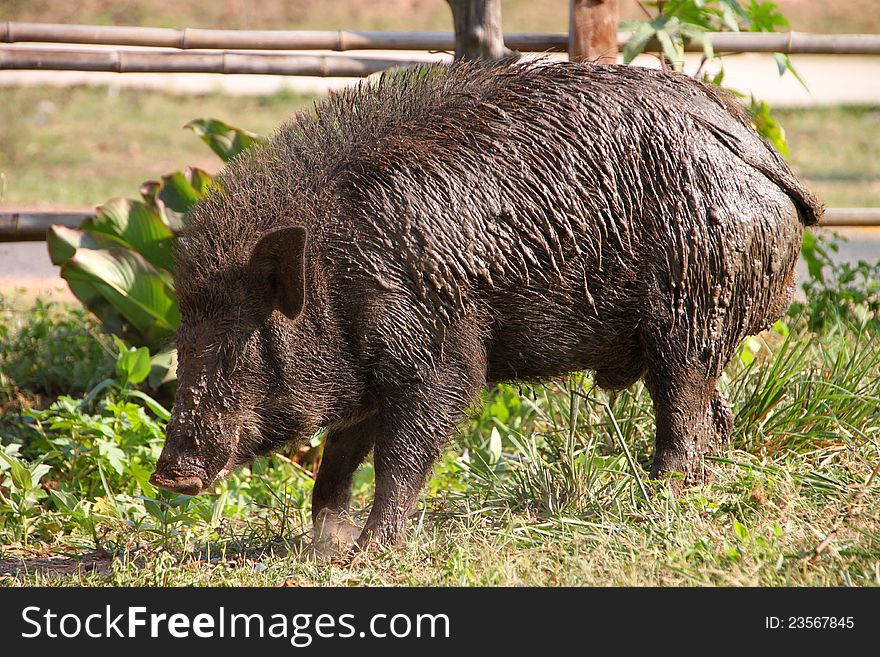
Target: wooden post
{"points": [[478, 33], [592, 31]]}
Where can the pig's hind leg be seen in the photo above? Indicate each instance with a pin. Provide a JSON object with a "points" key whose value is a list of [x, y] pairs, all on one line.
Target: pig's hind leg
{"points": [[692, 417], [344, 450]]}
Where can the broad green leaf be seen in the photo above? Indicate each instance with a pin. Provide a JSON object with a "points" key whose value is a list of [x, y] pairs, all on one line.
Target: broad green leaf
{"points": [[150, 191], [180, 500], [154, 509], [63, 501], [19, 473], [136, 225], [672, 49], [495, 445], [143, 295], [133, 365], [729, 17], [181, 190], [38, 472], [63, 242], [784, 63], [225, 140], [158, 410], [637, 42], [177, 192], [113, 454], [698, 34]]}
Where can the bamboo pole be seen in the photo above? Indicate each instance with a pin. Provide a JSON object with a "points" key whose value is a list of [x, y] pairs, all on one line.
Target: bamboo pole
{"points": [[851, 217], [592, 31], [32, 226], [339, 40], [478, 33], [190, 38], [141, 61]]}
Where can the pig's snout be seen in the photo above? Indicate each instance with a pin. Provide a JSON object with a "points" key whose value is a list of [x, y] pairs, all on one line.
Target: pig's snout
{"points": [[191, 485], [182, 468], [180, 471], [201, 442]]}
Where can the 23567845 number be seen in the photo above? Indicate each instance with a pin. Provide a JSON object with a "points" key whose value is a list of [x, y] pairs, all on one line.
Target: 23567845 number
{"points": [[809, 622], [820, 622]]}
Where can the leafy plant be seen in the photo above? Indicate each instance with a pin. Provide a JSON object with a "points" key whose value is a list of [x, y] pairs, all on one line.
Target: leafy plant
{"points": [[673, 23], [766, 124], [51, 351], [834, 292], [120, 441], [20, 491], [120, 264], [225, 140]]}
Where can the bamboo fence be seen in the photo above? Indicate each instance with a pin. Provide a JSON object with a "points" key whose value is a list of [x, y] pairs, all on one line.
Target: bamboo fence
{"points": [[230, 63], [209, 51], [340, 40]]}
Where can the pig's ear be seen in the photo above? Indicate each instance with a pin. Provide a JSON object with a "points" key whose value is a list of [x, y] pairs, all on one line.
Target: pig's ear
{"points": [[279, 260]]}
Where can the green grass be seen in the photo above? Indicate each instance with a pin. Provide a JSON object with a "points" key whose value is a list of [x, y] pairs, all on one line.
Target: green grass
{"points": [[836, 151], [538, 490], [547, 485], [81, 146]]}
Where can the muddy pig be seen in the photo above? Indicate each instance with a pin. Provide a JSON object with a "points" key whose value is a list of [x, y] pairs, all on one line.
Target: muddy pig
{"points": [[407, 242]]}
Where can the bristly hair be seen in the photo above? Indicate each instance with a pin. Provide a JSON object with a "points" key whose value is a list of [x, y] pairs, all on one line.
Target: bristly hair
{"points": [[542, 148]]}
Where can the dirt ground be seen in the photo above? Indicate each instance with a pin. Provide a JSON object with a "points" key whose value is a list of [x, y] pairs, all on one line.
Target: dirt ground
{"points": [[55, 565]]}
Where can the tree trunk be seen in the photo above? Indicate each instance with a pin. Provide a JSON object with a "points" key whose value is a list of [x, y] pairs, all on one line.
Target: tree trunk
{"points": [[478, 33], [592, 31]]}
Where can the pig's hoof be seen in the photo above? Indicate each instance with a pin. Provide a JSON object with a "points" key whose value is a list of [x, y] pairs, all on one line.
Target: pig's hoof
{"points": [[680, 473], [334, 537], [374, 540]]}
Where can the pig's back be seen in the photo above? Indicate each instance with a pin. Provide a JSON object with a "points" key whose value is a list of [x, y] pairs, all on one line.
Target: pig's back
{"points": [[481, 181]]}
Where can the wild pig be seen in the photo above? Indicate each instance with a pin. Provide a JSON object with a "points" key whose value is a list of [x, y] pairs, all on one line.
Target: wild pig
{"points": [[389, 254]]}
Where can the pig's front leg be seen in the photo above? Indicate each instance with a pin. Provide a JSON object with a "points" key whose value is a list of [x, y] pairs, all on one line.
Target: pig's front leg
{"points": [[419, 410], [410, 442], [417, 422], [344, 450]]}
